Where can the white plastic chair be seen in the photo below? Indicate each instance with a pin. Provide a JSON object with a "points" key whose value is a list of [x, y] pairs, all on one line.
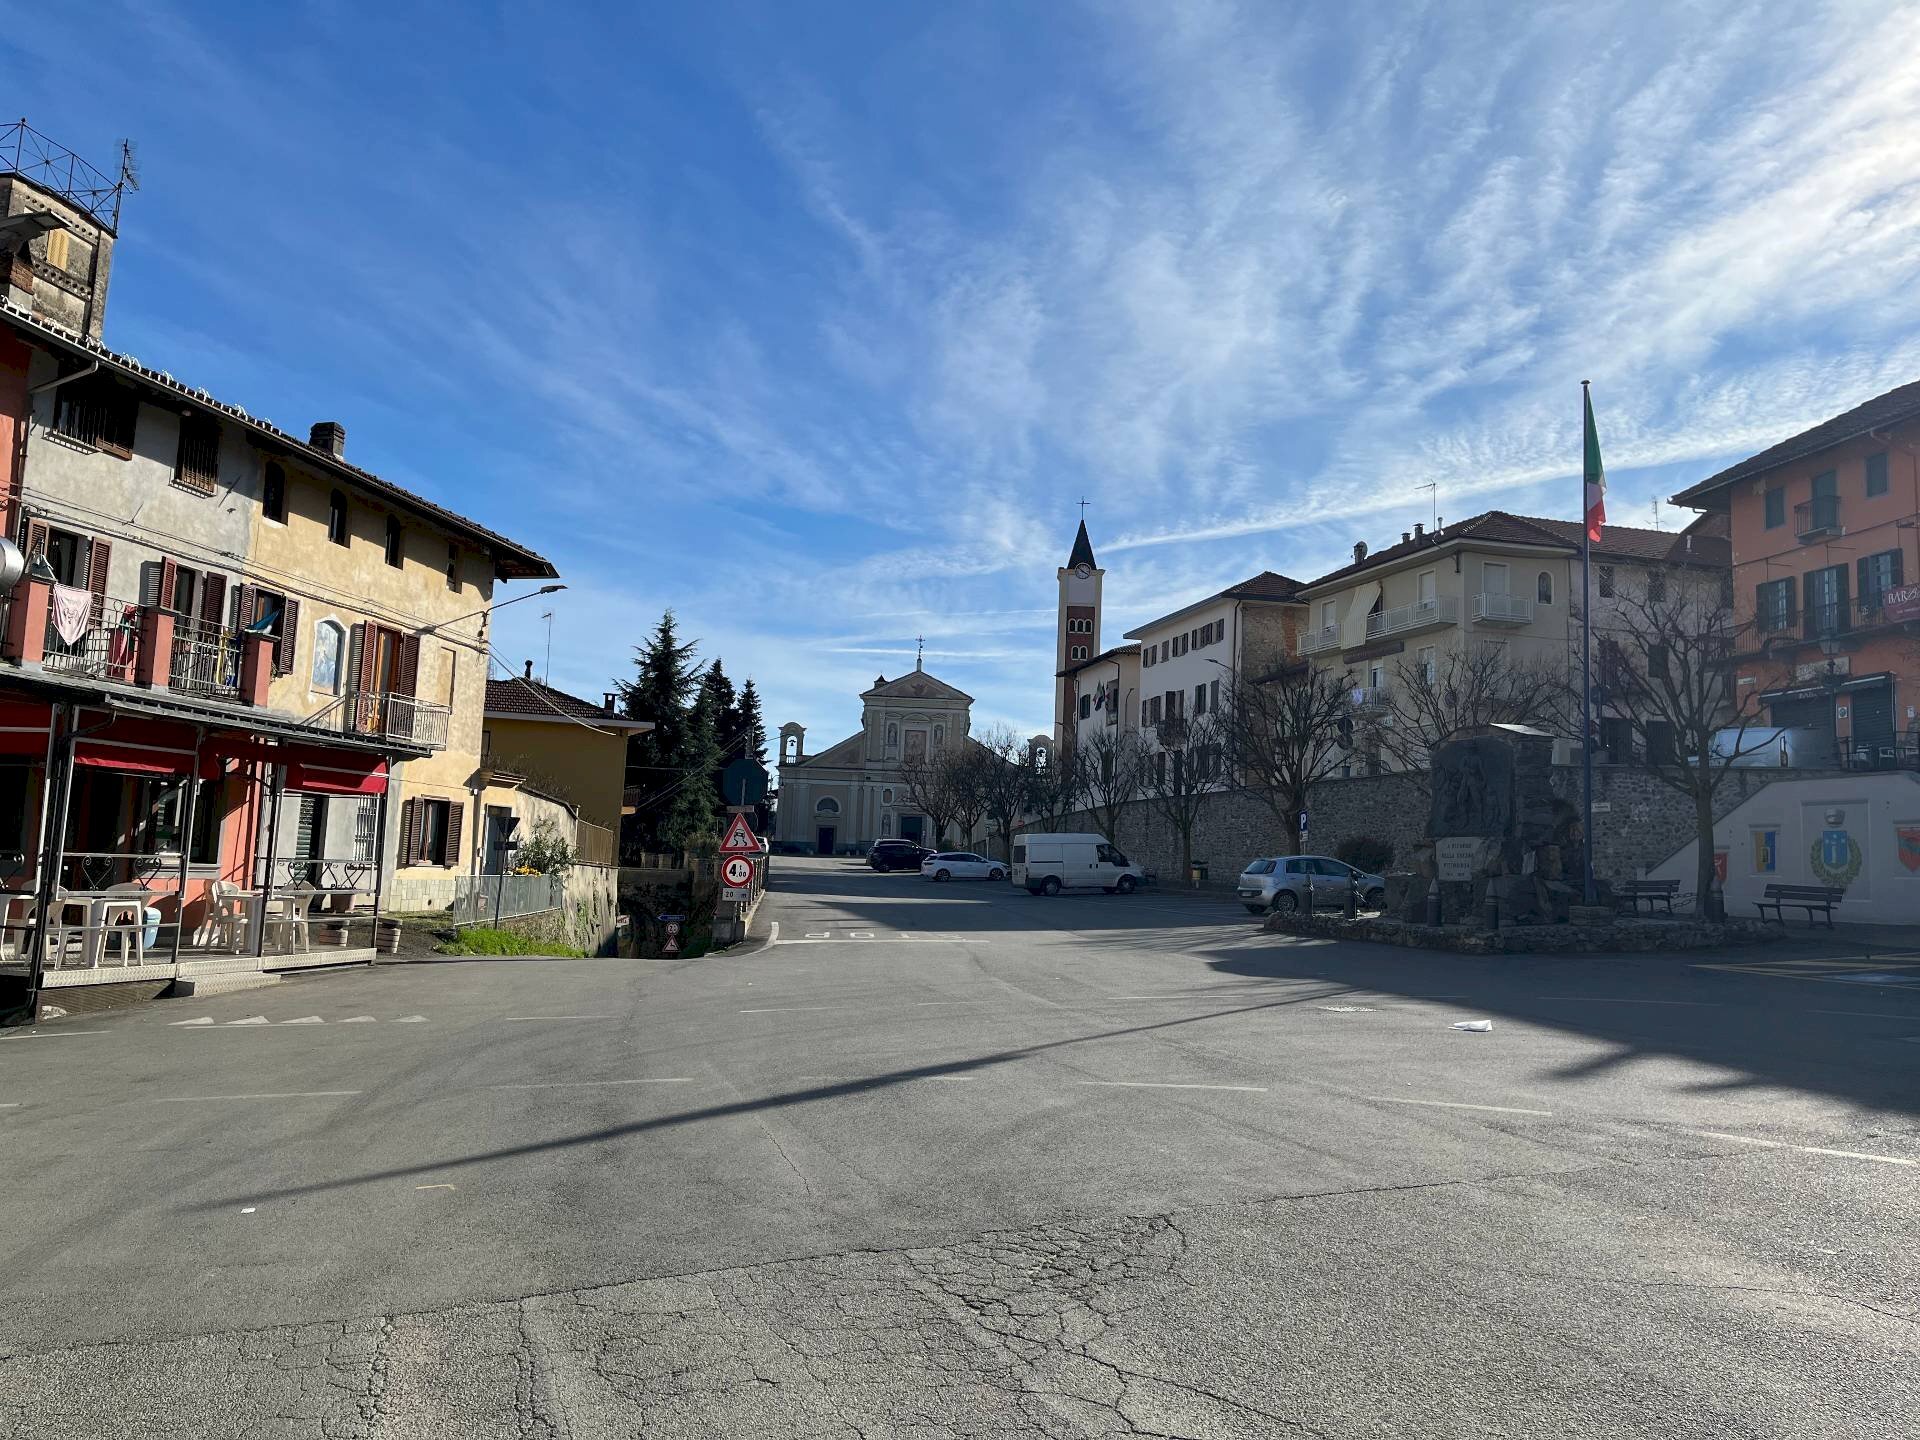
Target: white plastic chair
{"points": [[226, 922]]}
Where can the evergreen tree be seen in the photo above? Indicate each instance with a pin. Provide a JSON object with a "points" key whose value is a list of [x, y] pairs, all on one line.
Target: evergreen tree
{"points": [[751, 724], [725, 707], [692, 808], [660, 691]]}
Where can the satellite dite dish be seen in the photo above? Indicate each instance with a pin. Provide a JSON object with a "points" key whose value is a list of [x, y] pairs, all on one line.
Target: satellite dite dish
{"points": [[13, 564]]}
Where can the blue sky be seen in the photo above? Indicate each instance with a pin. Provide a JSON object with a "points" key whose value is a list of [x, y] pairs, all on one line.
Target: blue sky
{"points": [[814, 321]]}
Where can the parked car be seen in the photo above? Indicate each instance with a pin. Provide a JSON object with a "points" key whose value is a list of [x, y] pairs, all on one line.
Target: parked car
{"points": [[1280, 884], [961, 865], [1048, 864], [897, 855]]}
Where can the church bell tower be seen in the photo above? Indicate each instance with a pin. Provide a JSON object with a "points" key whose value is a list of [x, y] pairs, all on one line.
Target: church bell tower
{"points": [[1078, 625]]}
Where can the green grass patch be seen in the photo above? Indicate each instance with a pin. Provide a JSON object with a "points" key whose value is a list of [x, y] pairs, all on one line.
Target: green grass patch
{"points": [[484, 940]]}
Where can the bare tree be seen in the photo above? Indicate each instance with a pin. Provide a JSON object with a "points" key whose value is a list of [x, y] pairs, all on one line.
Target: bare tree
{"points": [[939, 785], [1184, 776], [1112, 763], [1284, 732], [1056, 786], [1002, 779], [1665, 655], [1471, 685]]}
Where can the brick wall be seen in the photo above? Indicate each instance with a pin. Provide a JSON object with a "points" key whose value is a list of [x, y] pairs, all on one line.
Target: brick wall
{"points": [[1643, 821]]}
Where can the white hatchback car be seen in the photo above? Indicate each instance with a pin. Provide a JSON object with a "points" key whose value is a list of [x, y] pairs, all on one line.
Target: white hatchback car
{"points": [[961, 865]]}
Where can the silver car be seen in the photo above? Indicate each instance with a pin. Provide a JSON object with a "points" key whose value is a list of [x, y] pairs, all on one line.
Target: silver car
{"points": [[1280, 884]]}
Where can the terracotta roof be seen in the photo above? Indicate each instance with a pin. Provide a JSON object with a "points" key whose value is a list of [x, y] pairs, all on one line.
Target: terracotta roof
{"points": [[1267, 585], [1626, 542], [1896, 407], [1082, 548], [512, 561], [521, 698]]}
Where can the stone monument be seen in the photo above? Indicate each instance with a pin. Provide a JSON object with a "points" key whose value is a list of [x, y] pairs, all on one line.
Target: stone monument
{"points": [[1495, 827]]}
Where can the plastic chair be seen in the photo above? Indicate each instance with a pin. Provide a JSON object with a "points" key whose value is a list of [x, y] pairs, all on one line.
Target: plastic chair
{"points": [[226, 922], [287, 915]]}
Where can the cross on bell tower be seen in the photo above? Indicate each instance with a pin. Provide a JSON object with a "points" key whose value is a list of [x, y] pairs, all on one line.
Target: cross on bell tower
{"points": [[919, 652]]}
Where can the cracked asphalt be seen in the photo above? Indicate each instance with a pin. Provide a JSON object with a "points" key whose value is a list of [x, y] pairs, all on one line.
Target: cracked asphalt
{"points": [[951, 1161]]}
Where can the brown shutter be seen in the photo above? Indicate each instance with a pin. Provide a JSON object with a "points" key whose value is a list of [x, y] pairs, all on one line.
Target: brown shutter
{"points": [[169, 581], [245, 603], [409, 830], [456, 813], [289, 636], [367, 648], [36, 539], [99, 556], [213, 600], [406, 669]]}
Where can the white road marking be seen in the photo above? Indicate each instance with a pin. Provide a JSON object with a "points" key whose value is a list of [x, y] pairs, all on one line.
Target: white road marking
{"points": [[923, 1004], [1806, 1149], [10, 1105], [773, 932], [1455, 1105], [560, 1017], [203, 1020], [1169, 1085], [359, 1020], [580, 1084], [1626, 1000], [411, 1020], [250, 1020], [442, 1186], [781, 1009], [305, 1020], [842, 1079], [283, 1095], [248, 1209], [54, 1034]]}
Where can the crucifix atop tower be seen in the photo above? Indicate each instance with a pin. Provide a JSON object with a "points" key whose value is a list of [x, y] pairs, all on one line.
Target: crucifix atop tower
{"points": [[919, 651], [1084, 502]]}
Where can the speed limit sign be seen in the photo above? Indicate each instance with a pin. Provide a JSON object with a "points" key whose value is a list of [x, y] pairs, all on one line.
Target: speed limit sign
{"points": [[737, 871]]}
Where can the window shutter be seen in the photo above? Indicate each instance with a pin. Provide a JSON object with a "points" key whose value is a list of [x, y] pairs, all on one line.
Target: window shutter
{"points": [[150, 584], [244, 605], [289, 636], [169, 582], [456, 814], [213, 600], [36, 538], [406, 670], [409, 830], [361, 664]]}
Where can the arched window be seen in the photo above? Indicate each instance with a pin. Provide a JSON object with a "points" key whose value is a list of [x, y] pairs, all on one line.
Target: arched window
{"points": [[337, 517], [826, 805], [329, 644], [1546, 587]]}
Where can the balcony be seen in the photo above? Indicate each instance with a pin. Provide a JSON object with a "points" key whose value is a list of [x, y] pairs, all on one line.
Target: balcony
{"points": [[1369, 697], [1824, 619], [1327, 637], [104, 650], [383, 715], [1421, 615], [1818, 518], [1495, 607], [206, 660]]}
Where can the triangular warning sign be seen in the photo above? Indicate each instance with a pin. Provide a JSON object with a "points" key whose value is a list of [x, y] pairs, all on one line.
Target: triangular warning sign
{"points": [[739, 839]]}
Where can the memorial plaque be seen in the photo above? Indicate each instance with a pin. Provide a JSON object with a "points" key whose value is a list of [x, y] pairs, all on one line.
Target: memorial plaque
{"points": [[1455, 857]]}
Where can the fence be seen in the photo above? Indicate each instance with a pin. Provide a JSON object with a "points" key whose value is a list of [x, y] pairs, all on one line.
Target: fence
{"points": [[105, 649], [206, 659], [595, 845], [476, 899]]}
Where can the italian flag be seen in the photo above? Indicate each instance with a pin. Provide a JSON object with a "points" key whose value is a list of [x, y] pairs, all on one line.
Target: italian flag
{"points": [[1596, 474]]}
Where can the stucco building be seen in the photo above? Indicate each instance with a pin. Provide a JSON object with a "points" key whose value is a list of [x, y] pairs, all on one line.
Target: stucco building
{"points": [[543, 747], [842, 799]]}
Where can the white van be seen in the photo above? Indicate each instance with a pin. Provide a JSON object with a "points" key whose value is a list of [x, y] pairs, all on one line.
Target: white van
{"points": [[1048, 864]]}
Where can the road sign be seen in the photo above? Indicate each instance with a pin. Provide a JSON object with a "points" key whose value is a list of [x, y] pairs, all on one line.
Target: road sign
{"points": [[737, 871], [730, 892], [739, 839], [744, 781]]}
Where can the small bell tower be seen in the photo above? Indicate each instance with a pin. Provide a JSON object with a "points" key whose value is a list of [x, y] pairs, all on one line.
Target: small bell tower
{"points": [[1078, 625]]}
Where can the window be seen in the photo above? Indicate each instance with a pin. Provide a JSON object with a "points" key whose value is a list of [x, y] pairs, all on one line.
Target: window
{"points": [[337, 517], [1153, 711], [1493, 577], [1773, 604], [1146, 658], [209, 809], [886, 796], [1200, 699], [1543, 588], [1427, 664], [1657, 661], [1143, 713], [57, 249], [434, 829], [826, 805], [1656, 586], [273, 494], [1327, 614], [329, 642], [1776, 508], [1163, 649], [196, 466], [1213, 695], [1876, 474], [62, 549], [1079, 652], [1086, 707], [1429, 589], [97, 412], [1826, 597], [453, 566], [1878, 574], [1376, 675], [268, 612], [1606, 582], [396, 554]]}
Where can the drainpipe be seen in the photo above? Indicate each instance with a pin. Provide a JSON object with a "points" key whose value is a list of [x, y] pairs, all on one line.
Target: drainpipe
{"points": [[47, 386]]}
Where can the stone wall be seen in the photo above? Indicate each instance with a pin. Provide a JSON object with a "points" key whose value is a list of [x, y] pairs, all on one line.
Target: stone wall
{"points": [[1643, 821]]}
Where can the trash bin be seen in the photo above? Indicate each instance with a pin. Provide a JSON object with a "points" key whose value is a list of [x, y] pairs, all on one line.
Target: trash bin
{"points": [[151, 936], [1198, 875]]}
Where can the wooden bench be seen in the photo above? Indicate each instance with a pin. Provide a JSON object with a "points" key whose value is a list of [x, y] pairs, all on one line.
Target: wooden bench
{"points": [[1630, 893], [1802, 897]]}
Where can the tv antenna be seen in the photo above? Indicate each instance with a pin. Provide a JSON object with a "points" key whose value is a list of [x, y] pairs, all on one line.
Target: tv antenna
{"points": [[1432, 487]]}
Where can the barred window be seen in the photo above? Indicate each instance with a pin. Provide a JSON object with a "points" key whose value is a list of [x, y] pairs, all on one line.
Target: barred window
{"points": [[97, 412], [197, 466]]}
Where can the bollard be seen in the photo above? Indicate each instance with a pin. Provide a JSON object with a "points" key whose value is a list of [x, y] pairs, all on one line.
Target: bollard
{"points": [[1353, 896]]}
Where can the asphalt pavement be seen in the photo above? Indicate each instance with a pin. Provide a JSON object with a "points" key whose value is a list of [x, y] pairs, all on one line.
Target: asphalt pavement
{"points": [[950, 1160]]}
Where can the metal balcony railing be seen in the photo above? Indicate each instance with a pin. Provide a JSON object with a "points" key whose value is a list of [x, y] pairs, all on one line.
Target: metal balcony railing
{"points": [[1368, 697], [1312, 642], [206, 659], [1818, 516], [390, 716], [1495, 607], [104, 650], [1823, 618], [1420, 615]]}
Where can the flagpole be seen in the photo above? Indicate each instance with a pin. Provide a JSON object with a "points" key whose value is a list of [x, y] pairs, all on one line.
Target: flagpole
{"points": [[1586, 666]]}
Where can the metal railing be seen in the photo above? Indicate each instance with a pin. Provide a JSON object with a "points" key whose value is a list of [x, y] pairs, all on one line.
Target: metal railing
{"points": [[1312, 642], [595, 844], [206, 659], [1441, 610], [1368, 697], [390, 716], [1499, 608], [476, 899], [105, 650], [1816, 516], [1826, 617]]}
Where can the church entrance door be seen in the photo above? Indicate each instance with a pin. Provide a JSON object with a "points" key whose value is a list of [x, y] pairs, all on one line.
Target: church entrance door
{"points": [[911, 828], [824, 840]]}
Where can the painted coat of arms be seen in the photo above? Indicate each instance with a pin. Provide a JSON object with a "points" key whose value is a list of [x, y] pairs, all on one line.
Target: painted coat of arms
{"points": [[1835, 856], [1908, 837]]}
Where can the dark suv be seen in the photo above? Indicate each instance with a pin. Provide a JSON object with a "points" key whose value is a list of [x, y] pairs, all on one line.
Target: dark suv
{"points": [[897, 855]]}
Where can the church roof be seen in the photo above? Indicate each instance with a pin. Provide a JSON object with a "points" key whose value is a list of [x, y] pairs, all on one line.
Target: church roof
{"points": [[1082, 548], [915, 685]]}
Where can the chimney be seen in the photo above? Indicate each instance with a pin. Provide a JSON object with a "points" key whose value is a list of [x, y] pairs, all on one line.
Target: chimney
{"points": [[1359, 551], [1418, 529], [330, 436], [528, 673], [1405, 536], [612, 700]]}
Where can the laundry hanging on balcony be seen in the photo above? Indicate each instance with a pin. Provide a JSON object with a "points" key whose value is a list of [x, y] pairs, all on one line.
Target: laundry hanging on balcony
{"points": [[72, 608]]}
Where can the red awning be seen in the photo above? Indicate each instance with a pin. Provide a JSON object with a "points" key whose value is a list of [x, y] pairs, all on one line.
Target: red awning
{"points": [[139, 745], [338, 772], [24, 726]]}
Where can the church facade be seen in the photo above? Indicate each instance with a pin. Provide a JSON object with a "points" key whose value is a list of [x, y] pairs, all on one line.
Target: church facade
{"points": [[841, 800]]}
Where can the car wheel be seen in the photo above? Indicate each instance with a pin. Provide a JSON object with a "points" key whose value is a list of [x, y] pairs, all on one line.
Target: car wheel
{"points": [[1285, 903], [1376, 897], [1050, 885], [996, 873], [943, 875], [1125, 885]]}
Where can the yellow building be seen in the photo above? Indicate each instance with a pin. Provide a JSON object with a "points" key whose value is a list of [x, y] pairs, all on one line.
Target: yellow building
{"points": [[544, 744]]}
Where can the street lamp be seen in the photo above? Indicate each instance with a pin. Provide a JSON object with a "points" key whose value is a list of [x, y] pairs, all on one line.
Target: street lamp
{"points": [[489, 609]]}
